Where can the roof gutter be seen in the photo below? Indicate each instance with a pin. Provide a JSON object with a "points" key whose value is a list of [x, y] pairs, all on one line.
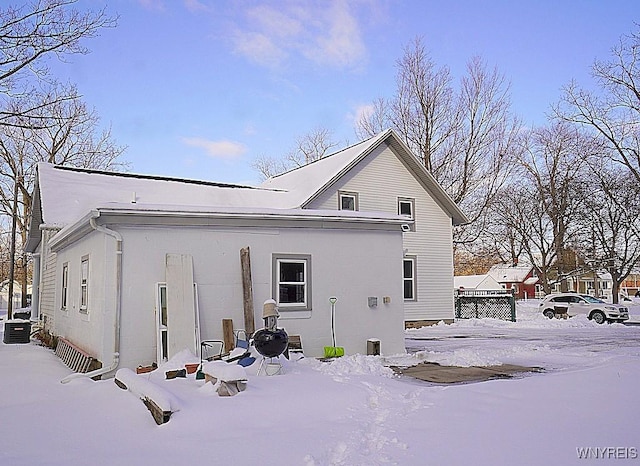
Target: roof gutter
{"points": [[115, 361]]}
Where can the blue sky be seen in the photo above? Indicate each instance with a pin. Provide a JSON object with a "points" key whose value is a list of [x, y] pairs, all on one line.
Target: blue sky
{"points": [[199, 88]]}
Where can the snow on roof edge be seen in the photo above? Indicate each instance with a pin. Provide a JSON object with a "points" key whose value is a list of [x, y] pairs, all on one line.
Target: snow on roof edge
{"points": [[140, 176]]}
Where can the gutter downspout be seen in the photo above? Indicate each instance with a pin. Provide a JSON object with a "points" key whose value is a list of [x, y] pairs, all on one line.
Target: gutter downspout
{"points": [[116, 344], [35, 289]]}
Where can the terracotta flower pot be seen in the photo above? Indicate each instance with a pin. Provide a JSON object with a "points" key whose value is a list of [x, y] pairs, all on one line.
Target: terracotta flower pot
{"points": [[191, 368]]}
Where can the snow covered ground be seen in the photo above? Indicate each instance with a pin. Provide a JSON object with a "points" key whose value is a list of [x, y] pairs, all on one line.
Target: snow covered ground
{"points": [[352, 411]]}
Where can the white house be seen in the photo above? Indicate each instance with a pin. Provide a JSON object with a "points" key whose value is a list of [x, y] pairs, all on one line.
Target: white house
{"points": [[17, 294], [132, 269], [476, 282], [382, 175]]}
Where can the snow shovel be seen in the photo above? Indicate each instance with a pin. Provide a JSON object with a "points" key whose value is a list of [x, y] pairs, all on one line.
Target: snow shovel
{"points": [[333, 351]]}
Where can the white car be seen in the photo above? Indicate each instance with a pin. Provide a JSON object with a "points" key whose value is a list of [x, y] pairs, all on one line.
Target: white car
{"points": [[572, 304]]}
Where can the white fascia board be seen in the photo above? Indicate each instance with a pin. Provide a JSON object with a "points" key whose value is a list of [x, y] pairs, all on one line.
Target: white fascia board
{"points": [[71, 233], [147, 215], [283, 219]]}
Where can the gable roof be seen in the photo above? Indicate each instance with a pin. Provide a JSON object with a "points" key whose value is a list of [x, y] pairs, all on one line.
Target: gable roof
{"points": [[313, 179], [505, 273], [65, 194], [476, 282]]}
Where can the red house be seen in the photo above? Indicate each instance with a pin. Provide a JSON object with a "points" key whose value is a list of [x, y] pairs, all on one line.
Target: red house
{"points": [[521, 279]]}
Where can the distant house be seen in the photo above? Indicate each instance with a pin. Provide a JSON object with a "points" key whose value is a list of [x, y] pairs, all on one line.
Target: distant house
{"points": [[132, 269], [521, 279], [599, 284], [476, 282], [17, 294], [631, 285]]}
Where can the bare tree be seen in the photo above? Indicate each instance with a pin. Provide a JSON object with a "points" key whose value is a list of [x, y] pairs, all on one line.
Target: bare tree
{"points": [[32, 104], [466, 139], [614, 112], [374, 120], [611, 218], [527, 229], [486, 145], [66, 133], [422, 111], [30, 33], [268, 166], [310, 147], [504, 238], [555, 163]]}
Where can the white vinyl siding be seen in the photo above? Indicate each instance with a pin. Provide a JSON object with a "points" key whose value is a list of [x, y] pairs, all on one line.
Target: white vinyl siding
{"points": [[47, 282], [380, 180]]}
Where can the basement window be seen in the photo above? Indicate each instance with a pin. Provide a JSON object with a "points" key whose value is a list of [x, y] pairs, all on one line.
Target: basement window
{"points": [[292, 282]]}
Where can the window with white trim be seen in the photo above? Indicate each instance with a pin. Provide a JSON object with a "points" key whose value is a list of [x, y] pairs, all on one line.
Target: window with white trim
{"points": [[84, 284], [347, 201], [162, 343], [409, 278], [65, 286], [292, 281], [406, 207]]}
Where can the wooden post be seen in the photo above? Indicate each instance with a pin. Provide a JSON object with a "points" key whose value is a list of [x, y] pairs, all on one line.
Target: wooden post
{"points": [[227, 335], [247, 291]]}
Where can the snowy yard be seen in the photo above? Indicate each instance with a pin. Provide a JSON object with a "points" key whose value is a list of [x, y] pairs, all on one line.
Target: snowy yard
{"points": [[353, 411]]}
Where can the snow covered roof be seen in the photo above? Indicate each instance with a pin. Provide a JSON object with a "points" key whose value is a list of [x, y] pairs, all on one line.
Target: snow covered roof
{"points": [[476, 282], [504, 273], [67, 194], [309, 181], [64, 195]]}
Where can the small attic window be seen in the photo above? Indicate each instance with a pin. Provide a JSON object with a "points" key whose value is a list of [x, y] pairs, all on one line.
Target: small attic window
{"points": [[406, 207], [348, 201]]}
